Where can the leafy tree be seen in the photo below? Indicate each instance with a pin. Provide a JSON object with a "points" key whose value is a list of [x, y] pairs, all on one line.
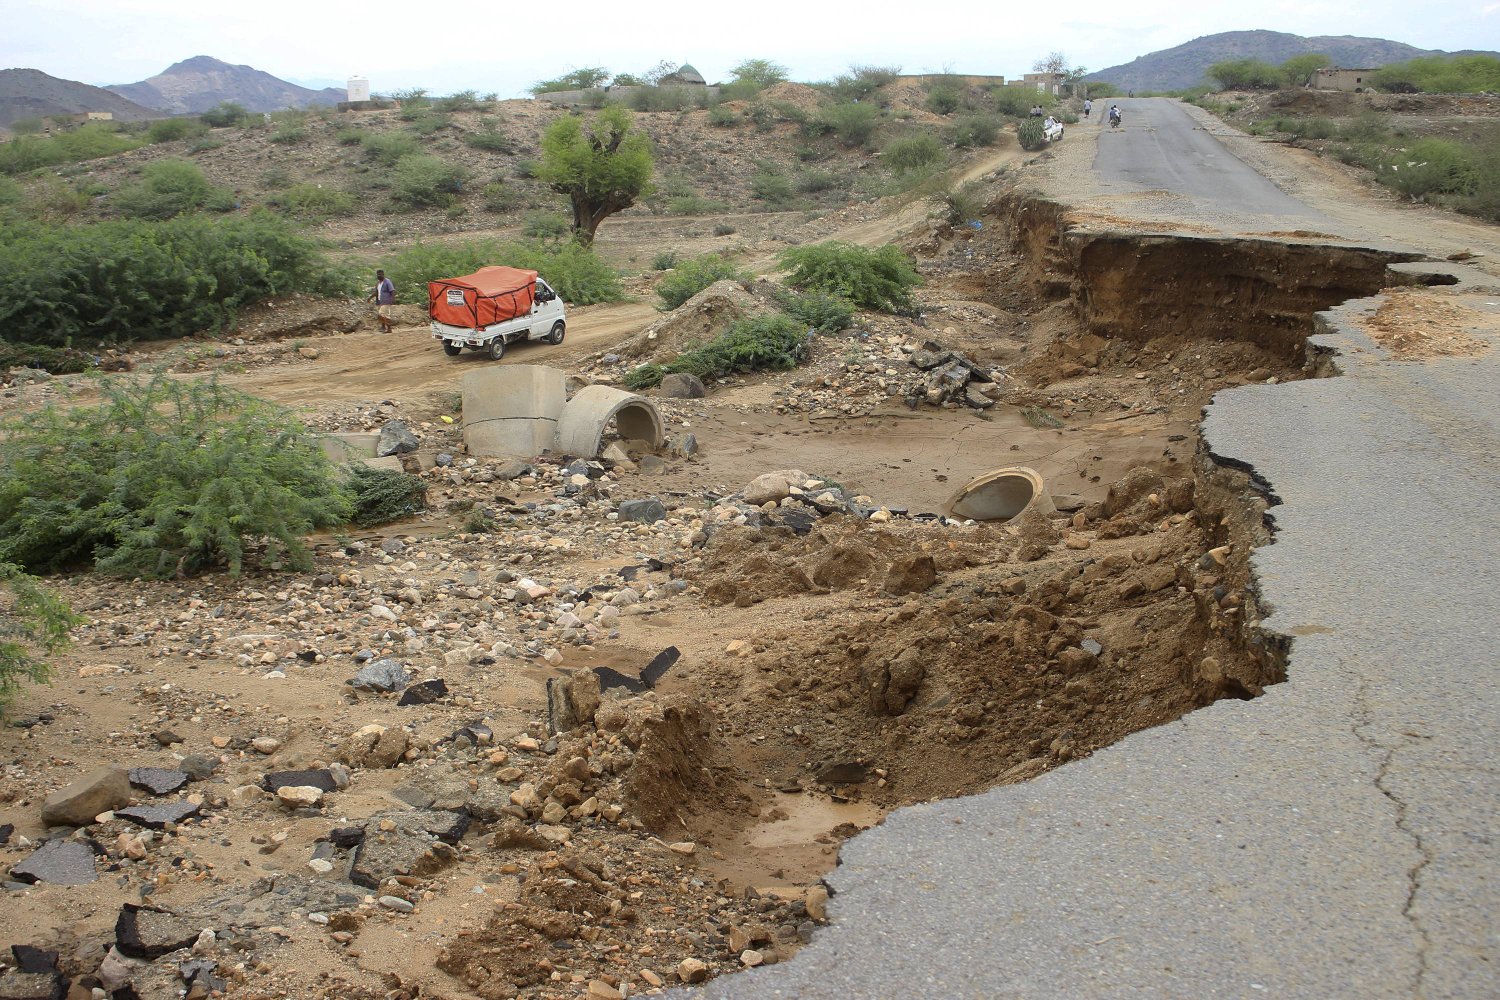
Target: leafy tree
{"points": [[602, 168], [580, 79], [1245, 74], [167, 477], [224, 114], [1299, 70], [1053, 62], [759, 73], [32, 622], [871, 279], [26, 126]]}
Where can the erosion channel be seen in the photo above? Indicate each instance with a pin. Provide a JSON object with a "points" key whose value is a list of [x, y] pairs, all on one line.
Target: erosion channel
{"points": [[510, 829]]}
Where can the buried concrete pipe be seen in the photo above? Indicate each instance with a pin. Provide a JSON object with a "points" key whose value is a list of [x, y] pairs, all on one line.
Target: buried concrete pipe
{"points": [[580, 429], [512, 410], [1002, 495]]}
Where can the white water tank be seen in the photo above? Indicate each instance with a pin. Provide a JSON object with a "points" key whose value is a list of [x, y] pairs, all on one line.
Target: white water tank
{"points": [[359, 89]]}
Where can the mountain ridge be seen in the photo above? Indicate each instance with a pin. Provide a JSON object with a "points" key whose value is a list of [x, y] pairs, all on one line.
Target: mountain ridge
{"points": [[1184, 65], [196, 84], [30, 93]]}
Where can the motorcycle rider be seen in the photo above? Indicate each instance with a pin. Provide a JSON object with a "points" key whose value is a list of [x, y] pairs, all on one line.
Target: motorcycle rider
{"points": [[1114, 116]]}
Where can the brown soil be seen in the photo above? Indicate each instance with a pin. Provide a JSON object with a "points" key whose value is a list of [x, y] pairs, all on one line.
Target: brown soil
{"points": [[824, 678], [1415, 324]]}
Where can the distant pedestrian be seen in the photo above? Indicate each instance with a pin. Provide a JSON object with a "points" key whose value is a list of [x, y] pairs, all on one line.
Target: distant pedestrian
{"points": [[1087, 107], [384, 295]]}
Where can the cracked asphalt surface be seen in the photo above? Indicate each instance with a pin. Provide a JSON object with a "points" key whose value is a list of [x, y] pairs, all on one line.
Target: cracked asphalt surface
{"points": [[1333, 838]]}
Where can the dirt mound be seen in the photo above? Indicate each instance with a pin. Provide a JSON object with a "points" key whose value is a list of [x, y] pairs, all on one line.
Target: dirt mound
{"points": [[746, 565], [697, 320], [799, 95]]}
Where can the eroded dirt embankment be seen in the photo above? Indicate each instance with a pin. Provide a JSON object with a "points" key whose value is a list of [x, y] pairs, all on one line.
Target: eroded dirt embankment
{"points": [[1138, 287]]}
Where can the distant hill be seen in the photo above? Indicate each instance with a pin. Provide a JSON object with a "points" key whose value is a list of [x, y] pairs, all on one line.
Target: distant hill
{"points": [[30, 93], [1185, 65], [197, 84]]}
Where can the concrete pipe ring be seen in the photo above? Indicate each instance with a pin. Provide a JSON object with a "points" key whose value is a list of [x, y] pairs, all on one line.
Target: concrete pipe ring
{"points": [[580, 429], [1001, 495]]}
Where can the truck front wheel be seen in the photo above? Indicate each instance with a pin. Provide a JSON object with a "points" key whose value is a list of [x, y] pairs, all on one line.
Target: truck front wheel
{"points": [[451, 349], [497, 349], [556, 336]]}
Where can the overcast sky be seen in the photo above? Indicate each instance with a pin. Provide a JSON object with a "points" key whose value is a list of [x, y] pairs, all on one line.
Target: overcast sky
{"points": [[504, 47]]}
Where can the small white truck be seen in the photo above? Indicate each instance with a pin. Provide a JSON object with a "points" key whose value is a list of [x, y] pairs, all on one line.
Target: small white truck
{"points": [[493, 307]]}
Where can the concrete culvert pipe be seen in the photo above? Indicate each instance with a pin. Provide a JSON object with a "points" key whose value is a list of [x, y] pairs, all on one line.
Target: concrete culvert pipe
{"points": [[580, 429], [511, 410], [1002, 495]]}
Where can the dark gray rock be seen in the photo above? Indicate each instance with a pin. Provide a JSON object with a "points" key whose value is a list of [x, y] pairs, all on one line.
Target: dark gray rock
{"points": [[382, 675], [58, 862], [199, 766], [414, 796], [424, 693], [346, 836], [686, 446], [143, 932], [158, 816], [20, 985], [395, 439], [647, 511], [6, 829], [158, 780], [321, 778], [682, 385], [411, 848]]}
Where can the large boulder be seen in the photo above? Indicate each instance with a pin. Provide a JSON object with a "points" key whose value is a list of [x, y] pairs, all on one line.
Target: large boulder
{"points": [[773, 487], [395, 439], [78, 803], [682, 385]]}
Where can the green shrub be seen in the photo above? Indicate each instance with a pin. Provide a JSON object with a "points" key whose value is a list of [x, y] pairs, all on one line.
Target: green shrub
{"points": [[167, 477], [129, 279], [527, 169], [771, 186], [579, 276], [421, 181], [862, 81], [974, 130], [414, 103], [224, 115], [915, 152], [313, 201], [491, 140], [463, 100], [761, 343], [1473, 74], [389, 148], [693, 204], [818, 311], [499, 197], [173, 129], [288, 127], [57, 360], [580, 79], [722, 117], [32, 623], [664, 260], [1245, 74], [944, 101], [818, 181], [381, 496], [169, 188], [724, 229], [53, 198], [27, 126], [543, 224], [964, 203], [1031, 134], [350, 136], [853, 124], [88, 142], [662, 99], [1431, 166], [692, 276], [871, 279], [1017, 102], [426, 123]]}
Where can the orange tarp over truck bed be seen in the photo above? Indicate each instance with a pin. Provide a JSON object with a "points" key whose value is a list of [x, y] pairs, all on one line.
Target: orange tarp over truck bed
{"points": [[488, 296]]}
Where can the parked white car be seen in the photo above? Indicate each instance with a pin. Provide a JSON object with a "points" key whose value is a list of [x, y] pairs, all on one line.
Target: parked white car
{"points": [[493, 307]]}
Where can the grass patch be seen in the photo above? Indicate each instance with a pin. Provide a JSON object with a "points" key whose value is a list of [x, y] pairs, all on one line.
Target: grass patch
{"points": [[762, 343]]}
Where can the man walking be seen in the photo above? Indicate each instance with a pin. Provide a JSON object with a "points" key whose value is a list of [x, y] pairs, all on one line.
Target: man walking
{"points": [[384, 296], [1088, 106]]}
